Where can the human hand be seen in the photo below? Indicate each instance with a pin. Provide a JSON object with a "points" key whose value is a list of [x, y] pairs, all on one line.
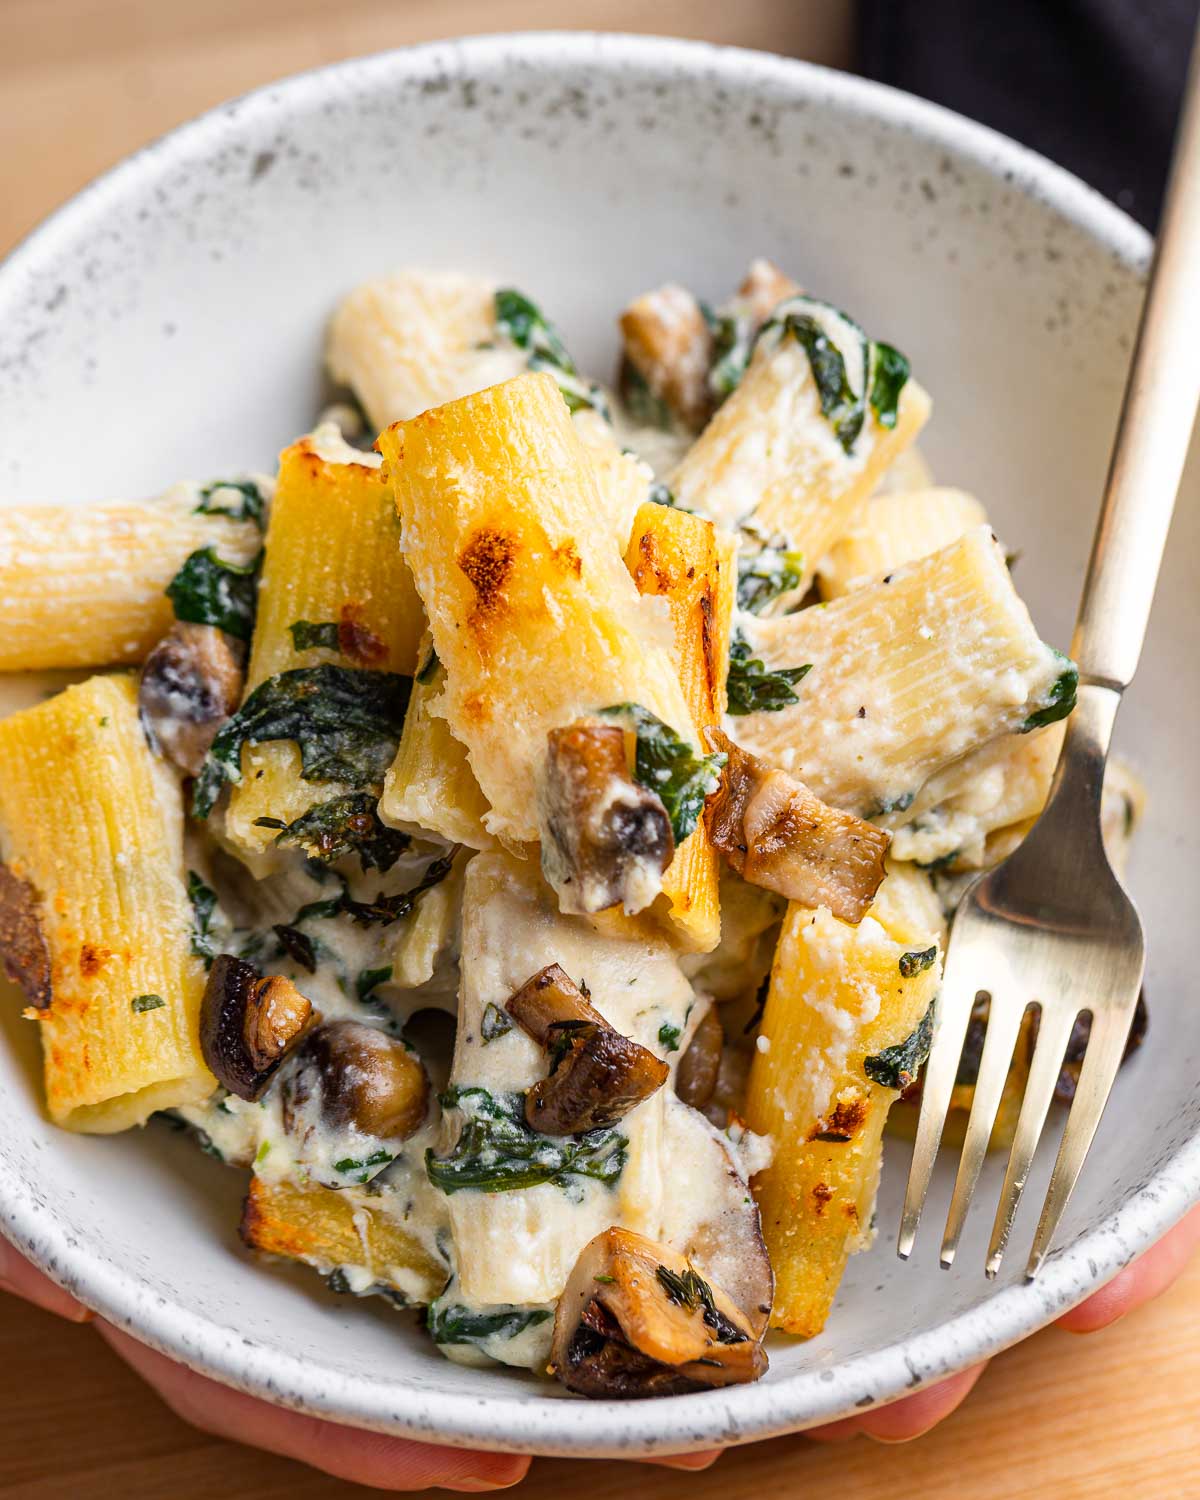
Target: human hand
{"points": [[1140, 1282]]}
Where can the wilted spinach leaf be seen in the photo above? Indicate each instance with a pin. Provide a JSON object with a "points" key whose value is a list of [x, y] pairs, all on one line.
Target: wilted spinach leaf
{"points": [[765, 575], [240, 498], [752, 688], [210, 591], [1061, 699], [494, 1023], [889, 375], [668, 766], [455, 1324], [524, 323], [204, 902], [343, 825], [346, 721], [897, 1067], [497, 1152], [307, 635]]}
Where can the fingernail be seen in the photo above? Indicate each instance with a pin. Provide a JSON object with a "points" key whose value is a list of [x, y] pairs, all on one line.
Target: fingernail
{"points": [[483, 1486], [690, 1461]]}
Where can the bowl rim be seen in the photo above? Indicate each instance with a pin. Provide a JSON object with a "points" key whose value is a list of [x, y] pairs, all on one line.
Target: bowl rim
{"points": [[527, 1421]]}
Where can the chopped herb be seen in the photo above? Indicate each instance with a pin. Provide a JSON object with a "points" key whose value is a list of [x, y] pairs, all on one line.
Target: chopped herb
{"points": [[104, 721], [307, 636], [645, 406], [455, 1324], [204, 903], [365, 1167], [887, 805], [668, 1036], [298, 946], [341, 826], [495, 1023], [497, 1152], [917, 961], [338, 1281], [897, 1067], [141, 1003], [690, 1290], [668, 766], [385, 909], [347, 722], [765, 575], [1061, 700], [209, 591], [428, 667], [605, 1280], [755, 690], [524, 323], [250, 506], [262, 1153]]}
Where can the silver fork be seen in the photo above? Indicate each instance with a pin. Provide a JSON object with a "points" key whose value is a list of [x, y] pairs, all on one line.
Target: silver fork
{"points": [[1052, 925]]}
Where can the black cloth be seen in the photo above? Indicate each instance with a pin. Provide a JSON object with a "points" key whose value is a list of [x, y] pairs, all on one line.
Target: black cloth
{"points": [[1093, 84]]}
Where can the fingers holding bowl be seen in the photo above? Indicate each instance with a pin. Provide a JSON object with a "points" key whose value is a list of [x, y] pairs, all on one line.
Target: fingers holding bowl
{"points": [[24, 1280]]}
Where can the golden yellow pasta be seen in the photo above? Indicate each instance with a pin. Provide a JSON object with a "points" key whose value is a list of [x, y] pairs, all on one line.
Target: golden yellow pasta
{"points": [[839, 997], [532, 611], [84, 587], [691, 564], [340, 1230], [894, 528], [91, 821], [333, 562]]}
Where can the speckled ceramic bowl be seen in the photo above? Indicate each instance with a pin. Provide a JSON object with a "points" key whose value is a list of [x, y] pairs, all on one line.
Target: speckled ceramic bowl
{"points": [[168, 322]]}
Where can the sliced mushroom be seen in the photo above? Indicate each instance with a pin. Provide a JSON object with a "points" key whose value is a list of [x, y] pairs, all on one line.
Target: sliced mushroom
{"points": [[696, 1076], [23, 949], [550, 998], [637, 1319], [596, 1074], [249, 1024], [605, 839], [191, 683], [360, 1078], [775, 833]]}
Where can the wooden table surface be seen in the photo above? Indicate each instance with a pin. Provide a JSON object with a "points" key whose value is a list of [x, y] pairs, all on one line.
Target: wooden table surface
{"points": [[1115, 1414]]}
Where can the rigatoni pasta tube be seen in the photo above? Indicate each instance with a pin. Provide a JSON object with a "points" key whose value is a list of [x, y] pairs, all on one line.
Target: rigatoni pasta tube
{"points": [[332, 561], [532, 611], [896, 528], [430, 787], [905, 677], [94, 824], [769, 459], [839, 995], [687, 561], [84, 587]]}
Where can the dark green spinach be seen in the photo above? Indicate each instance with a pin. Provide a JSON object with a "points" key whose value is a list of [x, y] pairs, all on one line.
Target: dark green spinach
{"points": [[210, 591], [1061, 699], [344, 825], [765, 575], [897, 1067], [917, 961], [204, 903], [524, 323], [346, 721], [752, 688], [668, 766], [497, 1152], [494, 1023], [455, 1324], [308, 636], [250, 506]]}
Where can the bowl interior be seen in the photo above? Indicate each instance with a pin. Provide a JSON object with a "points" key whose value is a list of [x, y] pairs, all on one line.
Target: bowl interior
{"points": [[169, 324]]}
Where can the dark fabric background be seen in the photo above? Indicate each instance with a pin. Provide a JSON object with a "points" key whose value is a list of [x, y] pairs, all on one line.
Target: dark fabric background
{"points": [[1093, 84]]}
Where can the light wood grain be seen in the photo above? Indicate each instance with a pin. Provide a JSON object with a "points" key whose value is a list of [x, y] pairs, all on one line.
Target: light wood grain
{"points": [[1113, 1415]]}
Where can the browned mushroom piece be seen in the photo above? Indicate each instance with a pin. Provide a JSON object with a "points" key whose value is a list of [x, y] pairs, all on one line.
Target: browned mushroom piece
{"points": [[550, 998], [696, 1076], [23, 949], [191, 683], [637, 1319], [357, 1077], [605, 839], [249, 1024], [596, 1074], [775, 833]]}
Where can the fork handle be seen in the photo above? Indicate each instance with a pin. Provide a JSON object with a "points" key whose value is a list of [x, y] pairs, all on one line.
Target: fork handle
{"points": [[1154, 429]]}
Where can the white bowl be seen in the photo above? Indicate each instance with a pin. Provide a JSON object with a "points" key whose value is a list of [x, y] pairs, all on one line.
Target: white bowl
{"points": [[168, 323]]}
